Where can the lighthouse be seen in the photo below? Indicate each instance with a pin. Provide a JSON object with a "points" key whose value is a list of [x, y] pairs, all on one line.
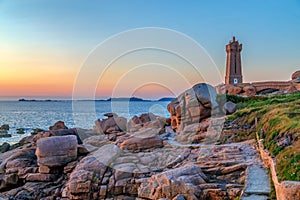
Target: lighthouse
{"points": [[233, 63]]}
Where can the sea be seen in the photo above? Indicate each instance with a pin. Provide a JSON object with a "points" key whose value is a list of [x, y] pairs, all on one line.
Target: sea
{"points": [[42, 114]]}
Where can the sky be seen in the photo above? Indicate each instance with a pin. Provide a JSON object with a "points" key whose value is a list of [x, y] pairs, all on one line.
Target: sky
{"points": [[45, 44]]}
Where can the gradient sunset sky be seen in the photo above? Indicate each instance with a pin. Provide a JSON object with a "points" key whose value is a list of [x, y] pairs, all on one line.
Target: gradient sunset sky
{"points": [[43, 44]]}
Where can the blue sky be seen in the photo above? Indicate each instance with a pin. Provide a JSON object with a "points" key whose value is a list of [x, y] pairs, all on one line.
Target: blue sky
{"points": [[61, 33]]}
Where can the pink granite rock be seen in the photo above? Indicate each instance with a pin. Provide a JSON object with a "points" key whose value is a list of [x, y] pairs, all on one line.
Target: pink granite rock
{"points": [[56, 150]]}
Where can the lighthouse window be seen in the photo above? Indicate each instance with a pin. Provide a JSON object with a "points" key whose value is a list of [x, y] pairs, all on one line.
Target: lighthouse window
{"points": [[235, 64]]}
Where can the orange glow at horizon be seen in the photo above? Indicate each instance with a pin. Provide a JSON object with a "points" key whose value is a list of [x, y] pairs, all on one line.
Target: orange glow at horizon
{"points": [[35, 72], [53, 72], [153, 91], [34, 81]]}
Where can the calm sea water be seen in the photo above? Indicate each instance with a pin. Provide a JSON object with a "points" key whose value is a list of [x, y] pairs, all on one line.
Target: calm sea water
{"points": [[30, 115]]}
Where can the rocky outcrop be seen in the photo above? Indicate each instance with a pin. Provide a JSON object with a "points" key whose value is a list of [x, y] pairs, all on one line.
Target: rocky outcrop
{"points": [[82, 180], [4, 131], [184, 181], [15, 165], [45, 134], [143, 118], [39, 165], [192, 106], [112, 124], [145, 167], [147, 120], [59, 125], [4, 127]]}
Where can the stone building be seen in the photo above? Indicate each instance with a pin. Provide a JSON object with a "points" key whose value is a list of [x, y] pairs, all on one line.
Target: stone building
{"points": [[233, 63]]}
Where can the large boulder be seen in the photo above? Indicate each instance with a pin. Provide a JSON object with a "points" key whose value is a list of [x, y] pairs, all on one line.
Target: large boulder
{"points": [[193, 105], [229, 107], [56, 151], [206, 95]]}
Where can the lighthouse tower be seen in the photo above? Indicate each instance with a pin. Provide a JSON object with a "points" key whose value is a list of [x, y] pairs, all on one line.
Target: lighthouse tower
{"points": [[233, 63]]}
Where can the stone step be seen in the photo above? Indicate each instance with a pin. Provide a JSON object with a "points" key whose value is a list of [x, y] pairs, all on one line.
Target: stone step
{"points": [[257, 183], [255, 197]]}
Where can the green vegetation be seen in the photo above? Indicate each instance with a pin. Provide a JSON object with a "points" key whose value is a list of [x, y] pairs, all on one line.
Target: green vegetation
{"points": [[278, 123], [237, 136]]}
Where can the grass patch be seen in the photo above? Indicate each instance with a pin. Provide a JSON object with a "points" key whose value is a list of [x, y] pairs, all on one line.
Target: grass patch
{"points": [[279, 126], [288, 167]]}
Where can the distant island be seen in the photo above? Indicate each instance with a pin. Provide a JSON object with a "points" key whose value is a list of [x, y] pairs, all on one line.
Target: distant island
{"points": [[139, 99], [166, 99], [109, 99], [126, 99], [46, 100]]}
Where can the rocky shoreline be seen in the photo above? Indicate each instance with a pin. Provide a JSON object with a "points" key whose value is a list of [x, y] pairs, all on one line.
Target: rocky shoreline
{"points": [[147, 157], [195, 172]]}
